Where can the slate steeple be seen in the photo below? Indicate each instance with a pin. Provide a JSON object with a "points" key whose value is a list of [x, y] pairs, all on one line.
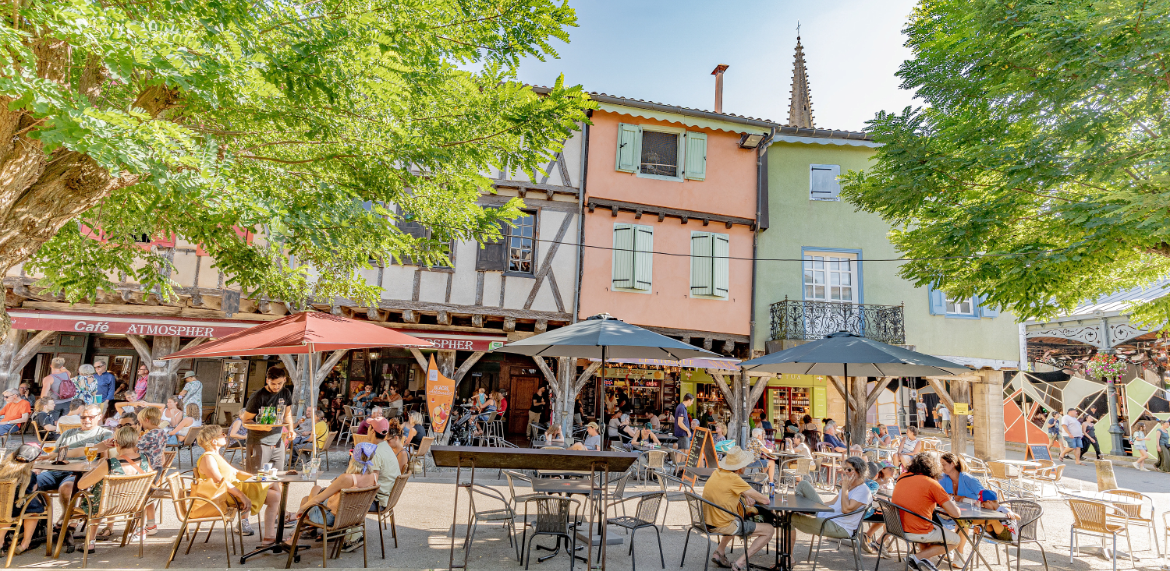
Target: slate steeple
{"points": [[800, 106]]}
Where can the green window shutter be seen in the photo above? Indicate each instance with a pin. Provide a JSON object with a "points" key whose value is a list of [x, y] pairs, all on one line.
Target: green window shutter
{"points": [[696, 160], [623, 256], [643, 257], [628, 147], [721, 251], [701, 264]]}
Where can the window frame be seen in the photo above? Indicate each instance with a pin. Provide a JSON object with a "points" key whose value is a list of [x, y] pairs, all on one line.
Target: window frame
{"points": [[856, 274], [507, 238], [714, 271], [399, 221], [955, 302], [680, 160]]}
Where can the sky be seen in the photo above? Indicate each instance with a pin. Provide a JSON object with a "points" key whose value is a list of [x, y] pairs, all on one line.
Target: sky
{"points": [[664, 51]]}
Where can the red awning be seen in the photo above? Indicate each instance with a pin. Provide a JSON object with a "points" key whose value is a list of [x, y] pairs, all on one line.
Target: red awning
{"points": [[125, 324]]}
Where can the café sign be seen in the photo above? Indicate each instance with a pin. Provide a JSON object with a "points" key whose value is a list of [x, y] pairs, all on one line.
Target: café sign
{"points": [[126, 325]]}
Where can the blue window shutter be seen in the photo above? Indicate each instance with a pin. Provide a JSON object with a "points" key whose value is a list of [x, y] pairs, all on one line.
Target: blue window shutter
{"points": [[721, 251], [629, 145], [823, 183], [938, 301], [701, 264], [623, 256], [643, 257], [696, 159], [984, 309]]}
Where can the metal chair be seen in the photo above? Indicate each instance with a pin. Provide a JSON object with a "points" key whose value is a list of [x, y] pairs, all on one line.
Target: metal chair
{"points": [[553, 517], [645, 515], [10, 522], [387, 512], [678, 494], [890, 513], [122, 498], [1029, 512], [699, 509], [655, 460], [515, 498], [854, 539], [504, 514], [324, 449], [185, 504], [352, 506], [791, 471], [1135, 512], [1094, 518]]}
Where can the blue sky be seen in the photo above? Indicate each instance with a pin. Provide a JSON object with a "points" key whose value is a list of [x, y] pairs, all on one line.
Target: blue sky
{"points": [[665, 50]]}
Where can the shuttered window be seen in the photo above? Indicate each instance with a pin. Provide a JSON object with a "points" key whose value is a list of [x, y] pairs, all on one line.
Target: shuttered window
{"points": [[629, 145], [823, 184], [661, 152], [709, 264], [633, 247], [515, 251], [696, 161], [417, 230]]}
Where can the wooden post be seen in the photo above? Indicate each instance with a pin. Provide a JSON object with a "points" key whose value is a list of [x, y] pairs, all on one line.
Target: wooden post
{"points": [[163, 381], [857, 409], [14, 355], [960, 393], [987, 399]]}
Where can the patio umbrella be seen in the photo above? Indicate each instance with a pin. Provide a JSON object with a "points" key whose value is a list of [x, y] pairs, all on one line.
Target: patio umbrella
{"points": [[604, 337], [845, 354], [304, 333]]}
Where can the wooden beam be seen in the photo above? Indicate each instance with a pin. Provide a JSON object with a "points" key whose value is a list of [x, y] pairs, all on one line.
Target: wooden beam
{"points": [[174, 364], [541, 326], [840, 386], [872, 397], [328, 364], [30, 349], [509, 324], [545, 370], [941, 390], [443, 317], [140, 346], [410, 316], [420, 359], [477, 321]]}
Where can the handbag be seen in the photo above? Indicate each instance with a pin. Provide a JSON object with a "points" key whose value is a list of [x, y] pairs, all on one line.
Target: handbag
{"points": [[209, 490]]}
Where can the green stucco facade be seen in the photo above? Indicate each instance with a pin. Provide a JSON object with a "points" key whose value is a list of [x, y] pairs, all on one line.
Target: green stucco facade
{"points": [[798, 225]]}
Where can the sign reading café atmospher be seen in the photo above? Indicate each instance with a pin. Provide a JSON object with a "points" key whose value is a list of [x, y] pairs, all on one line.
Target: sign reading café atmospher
{"points": [[131, 325]]}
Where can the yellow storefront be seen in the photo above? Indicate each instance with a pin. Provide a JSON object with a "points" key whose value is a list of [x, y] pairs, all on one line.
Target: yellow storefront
{"points": [[803, 394]]}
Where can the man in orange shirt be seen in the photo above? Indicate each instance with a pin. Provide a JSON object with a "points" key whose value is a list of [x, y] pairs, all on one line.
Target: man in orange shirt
{"points": [[14, 413], [919, 492]]}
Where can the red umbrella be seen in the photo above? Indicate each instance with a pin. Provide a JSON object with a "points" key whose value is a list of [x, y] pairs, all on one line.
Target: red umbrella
{"points": [[302, 333]]}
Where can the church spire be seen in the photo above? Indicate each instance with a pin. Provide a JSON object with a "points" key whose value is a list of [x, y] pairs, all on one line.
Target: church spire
{"points": [[800, 106]]}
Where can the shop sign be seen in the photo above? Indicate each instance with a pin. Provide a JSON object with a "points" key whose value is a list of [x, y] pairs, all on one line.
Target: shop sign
{"points": [[91, 323], [961, 408], [460, 342], [634, 374]]}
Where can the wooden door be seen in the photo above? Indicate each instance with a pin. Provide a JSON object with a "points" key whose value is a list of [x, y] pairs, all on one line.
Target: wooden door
{"points": [[519, 401]]}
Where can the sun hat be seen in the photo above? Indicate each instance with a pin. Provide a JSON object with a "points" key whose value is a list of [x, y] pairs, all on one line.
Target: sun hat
{"points": [[188, 374], [736, 458]]}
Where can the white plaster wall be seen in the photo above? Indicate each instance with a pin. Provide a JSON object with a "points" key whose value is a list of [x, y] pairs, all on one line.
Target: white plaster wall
{"points": [[491, 288], [432, 287], [398, 282]]}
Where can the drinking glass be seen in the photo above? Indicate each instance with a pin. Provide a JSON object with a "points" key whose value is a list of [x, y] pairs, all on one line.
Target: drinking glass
{"points": [[90, 453]]}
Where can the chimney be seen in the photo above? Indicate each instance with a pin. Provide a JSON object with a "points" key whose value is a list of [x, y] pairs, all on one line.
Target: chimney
{"points": [[718, 73]]}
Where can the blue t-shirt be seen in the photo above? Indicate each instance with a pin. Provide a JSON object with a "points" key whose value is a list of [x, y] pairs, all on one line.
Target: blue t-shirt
{"points": [[832, 440], [681, 416], [969, 487]]}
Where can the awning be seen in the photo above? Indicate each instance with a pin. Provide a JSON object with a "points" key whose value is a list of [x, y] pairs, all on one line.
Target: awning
{"points": [[459, 341], [125, 324], [721, 364]]}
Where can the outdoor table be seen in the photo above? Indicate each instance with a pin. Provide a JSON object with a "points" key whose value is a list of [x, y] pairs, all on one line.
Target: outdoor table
{"points": [[563, 473], [598, 463], [784, 505], [278, 546], [70, 466], [968, 513], [1020, 466]]}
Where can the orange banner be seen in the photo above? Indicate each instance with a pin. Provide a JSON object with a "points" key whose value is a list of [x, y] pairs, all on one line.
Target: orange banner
{"points": [[440, 394]]}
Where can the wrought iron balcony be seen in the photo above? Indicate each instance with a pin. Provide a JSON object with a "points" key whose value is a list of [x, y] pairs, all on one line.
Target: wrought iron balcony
{"points": [[809, 320]]}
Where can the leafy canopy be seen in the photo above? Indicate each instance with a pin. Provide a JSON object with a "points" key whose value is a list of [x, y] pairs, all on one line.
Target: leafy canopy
{"points": [[1037, 172], [296, 120]]}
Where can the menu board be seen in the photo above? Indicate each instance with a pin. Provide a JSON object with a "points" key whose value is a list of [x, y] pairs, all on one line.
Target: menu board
{"points": [[1038, 452], [698, 437]]}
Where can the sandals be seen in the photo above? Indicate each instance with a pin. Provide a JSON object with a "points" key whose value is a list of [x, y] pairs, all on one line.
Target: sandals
{"points": [[736, 567], [104, 535], [720, 560]]}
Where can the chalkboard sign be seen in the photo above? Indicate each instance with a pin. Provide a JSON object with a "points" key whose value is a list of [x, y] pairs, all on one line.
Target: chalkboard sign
{"points": [[698, 437], [894, 430], [710, 458], [1038, 452]]}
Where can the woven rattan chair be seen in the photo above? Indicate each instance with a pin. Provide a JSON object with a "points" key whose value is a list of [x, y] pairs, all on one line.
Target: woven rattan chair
{"points": [[352, 506], [791, 471], [645, 515], [655, 460], [362, 438], [555, 516], [674, 488], [123, 498], [304, 453], [419, 457], [387, 512], [61, 428], [1101, 520], [1139, 511], [9, 522], [699, 508], [890, 513], [184, 503], [188, 444], [36, 428], [1029, 513]]}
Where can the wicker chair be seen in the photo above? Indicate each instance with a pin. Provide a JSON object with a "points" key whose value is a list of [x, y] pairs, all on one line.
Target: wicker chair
{"points": [[362, 438], [699, 509], [177, 488], [61, 428], [324, 449], [1030, 513], [1049, 475], [555, 515], [645, 515], [352, 506], [9, 522], [1135, 509], [122, 498], [188, 444], [387, 512], [891, 514], [1098, 519], [37, 431], [419, 458], [791, 471]]}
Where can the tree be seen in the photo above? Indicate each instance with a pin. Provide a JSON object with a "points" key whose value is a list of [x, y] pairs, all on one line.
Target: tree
{"points": [[294, 121], [1036, 173]]}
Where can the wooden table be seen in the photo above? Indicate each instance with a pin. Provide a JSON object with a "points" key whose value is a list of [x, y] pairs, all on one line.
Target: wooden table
{"points": [[784, 505], [278, 546], [70, 466]]}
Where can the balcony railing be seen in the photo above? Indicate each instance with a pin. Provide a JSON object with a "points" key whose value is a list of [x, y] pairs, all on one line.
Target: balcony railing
{"points": [[809, 320]]}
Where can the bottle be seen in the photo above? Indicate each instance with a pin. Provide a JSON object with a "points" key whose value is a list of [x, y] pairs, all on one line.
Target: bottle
{"points": [[771, 492]]}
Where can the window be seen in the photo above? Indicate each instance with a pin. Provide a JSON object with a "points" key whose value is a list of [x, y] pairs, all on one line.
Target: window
{"points": [[823, 184], [661, 152], [709, 264], [408, 226], [963, 306], [974, 307], [515, 251], [830, 277], [633, 257]]}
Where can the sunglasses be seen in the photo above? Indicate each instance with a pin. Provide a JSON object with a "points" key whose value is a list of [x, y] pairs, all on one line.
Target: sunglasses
{"points": [[90, 415]]}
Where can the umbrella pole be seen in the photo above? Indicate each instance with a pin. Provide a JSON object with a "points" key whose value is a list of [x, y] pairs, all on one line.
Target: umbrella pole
{"points": [[604, 431], [848, 415]]}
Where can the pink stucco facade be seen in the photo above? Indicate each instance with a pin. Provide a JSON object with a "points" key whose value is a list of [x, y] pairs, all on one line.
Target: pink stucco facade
{"points": [[729, 189]]}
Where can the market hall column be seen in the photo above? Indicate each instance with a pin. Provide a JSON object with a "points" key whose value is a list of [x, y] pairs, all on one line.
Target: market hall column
{"points": [[163, 382]]}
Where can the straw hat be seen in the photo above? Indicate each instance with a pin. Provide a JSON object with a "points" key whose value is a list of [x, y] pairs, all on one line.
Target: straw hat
{"points": [[736, 458]]}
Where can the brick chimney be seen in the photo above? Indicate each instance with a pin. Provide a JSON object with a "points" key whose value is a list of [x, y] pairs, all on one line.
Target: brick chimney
{"points": [[718, 73]]}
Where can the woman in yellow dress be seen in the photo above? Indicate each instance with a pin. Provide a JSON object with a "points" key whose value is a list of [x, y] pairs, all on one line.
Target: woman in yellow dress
{"points": [[249, 496]]}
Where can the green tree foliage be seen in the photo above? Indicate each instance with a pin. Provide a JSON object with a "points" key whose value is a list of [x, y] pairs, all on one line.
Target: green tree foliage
{"points": [[298, 121], [1036, 173]]}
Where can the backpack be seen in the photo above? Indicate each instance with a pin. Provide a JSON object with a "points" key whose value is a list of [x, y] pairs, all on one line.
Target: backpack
{"points": [[66, 389]]}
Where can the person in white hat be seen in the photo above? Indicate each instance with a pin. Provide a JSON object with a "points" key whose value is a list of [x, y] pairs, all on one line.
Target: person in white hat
{"points": [[725, 488], [192, 392]]}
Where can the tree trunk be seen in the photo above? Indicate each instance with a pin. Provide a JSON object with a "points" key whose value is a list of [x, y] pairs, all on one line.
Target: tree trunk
{"points": [[855, 420], [960, 393], [566, 378]]}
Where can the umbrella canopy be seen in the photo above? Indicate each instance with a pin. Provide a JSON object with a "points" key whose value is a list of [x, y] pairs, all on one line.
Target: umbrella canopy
{"points": [[603, 336], [303, 333], [845, 354]]}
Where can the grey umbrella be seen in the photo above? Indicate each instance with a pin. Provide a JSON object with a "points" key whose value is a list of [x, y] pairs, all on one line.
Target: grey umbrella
{"points": [[604, 337], [844, 354]]}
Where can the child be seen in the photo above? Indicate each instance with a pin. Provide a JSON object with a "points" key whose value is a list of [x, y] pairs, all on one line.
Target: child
{"points": [[1138, 445], [1003, 530]]}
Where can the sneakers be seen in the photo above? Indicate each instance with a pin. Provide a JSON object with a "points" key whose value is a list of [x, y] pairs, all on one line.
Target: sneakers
{"points": [[867, 547], [246, 527], [912, 562], [920, 564], [151, 529]]}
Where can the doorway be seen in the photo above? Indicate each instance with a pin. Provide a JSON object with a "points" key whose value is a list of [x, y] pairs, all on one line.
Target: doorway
{"points": [[519, 402]]}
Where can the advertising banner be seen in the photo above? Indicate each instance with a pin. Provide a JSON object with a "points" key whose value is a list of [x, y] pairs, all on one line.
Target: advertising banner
{"points": [[440, 394]]}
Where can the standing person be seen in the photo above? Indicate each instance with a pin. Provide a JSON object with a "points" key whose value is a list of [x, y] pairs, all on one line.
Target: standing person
{"points": [[264, 446], [917, 491], [1163, 430], [682, 425], [726, 489], [86, 384], [107, 383], [944, 415], [1138, 445], [920, 412], [58, 387], [192, 392], [1052, 427], [535, 411], [1071, 428], [15, 413], [1089, 429], [25, 394], [142, 383]]}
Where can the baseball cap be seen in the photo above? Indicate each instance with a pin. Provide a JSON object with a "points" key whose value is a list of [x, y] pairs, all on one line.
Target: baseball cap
{"points": [[988, 496], [27, 453], [379, 424]]}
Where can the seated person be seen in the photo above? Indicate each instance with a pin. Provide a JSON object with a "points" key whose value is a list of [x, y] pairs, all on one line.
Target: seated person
{"points": [[72, 444], [719, 432], [726, 489], [15, 413], [919, 492], [554, 435], [853, 496], [761, 448], [178, 433], [126, 461], [883, 478], [72, 416], [17, 467], [655, 422], [320, 430], [592, 437], [646, 436], [882, 438], [412, 429], [236, 433], [831, 438], [910, 447], [45, 415], [1002, 530], [375, 415], [360, 474], [799, 446], [958, 483], [614, 427], [362, 400], [393, 401]]}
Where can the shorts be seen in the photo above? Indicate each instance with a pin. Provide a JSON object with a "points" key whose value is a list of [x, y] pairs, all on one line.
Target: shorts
{"points": [[315, 516], [7, 428], [1073, 441], [812, 525], [733, 528], [35, 506], [1139, 446], [51, 480], [684, 442], [935, 536], [375, 507]]}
